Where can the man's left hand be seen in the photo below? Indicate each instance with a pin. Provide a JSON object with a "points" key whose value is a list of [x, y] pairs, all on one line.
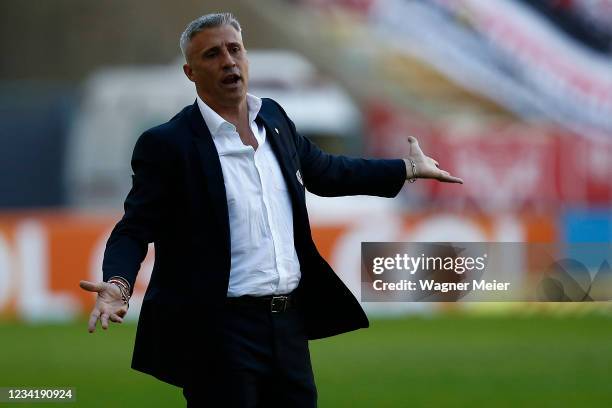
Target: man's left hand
{"points": [[425, 166]]}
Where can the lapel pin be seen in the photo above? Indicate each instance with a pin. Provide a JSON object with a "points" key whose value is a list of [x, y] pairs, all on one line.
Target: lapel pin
{"points": [[276, 130], [299, 177]]}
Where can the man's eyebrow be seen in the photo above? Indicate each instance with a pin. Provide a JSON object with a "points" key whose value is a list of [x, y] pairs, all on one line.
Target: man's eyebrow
{"points": [[214, 48]]}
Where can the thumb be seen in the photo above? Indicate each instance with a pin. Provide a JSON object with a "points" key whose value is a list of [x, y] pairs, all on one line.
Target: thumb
{"points": [[92, 286], [414, 145]]}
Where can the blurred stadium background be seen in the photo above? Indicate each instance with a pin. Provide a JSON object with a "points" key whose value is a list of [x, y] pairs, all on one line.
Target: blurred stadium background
{"points": [[514, 96]]}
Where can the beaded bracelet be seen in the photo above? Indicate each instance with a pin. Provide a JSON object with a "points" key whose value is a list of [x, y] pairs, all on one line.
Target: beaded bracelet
{"points": [[414, 174], [124, 288]]}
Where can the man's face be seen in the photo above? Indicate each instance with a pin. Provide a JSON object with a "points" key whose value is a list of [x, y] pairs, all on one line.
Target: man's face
{"points": [[217, 63]]}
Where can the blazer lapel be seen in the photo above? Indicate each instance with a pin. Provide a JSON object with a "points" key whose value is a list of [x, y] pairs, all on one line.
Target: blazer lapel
{"points": [[212, 169], [283, 150], [283, 155]]}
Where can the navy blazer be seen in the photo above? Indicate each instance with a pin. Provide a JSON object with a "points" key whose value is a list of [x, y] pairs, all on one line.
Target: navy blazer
{"points": [[178, 202]]}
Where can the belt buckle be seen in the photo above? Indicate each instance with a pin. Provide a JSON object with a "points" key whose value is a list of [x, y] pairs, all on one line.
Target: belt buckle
{"points": [[279, 304]]}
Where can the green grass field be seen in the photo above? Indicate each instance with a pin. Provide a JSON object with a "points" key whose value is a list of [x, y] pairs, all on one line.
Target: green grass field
{"points": [[442, 361]]}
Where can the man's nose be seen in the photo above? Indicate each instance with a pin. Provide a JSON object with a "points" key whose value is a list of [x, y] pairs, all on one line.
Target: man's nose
{"points": [[227, 60]]}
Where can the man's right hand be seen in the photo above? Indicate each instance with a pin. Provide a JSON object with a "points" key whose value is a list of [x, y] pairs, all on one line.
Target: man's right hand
{"points": [[109, 305]]}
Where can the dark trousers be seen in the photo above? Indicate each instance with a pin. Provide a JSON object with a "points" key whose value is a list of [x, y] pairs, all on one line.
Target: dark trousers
{"points": [[263, 361]]}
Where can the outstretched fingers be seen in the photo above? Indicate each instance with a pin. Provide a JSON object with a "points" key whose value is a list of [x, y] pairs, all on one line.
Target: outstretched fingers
{"points": [[107, 305], [446, 177], [104, 318], [430, 168]]}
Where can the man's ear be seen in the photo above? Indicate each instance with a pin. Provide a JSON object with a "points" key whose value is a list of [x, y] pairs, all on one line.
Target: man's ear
{"points": [[188, 72]]}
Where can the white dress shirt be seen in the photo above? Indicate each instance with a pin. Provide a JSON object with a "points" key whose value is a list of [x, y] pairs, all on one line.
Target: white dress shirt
{"points": [[264, 261]]}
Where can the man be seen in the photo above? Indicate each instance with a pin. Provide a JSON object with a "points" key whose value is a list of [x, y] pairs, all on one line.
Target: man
{"points": [[238, 287]]}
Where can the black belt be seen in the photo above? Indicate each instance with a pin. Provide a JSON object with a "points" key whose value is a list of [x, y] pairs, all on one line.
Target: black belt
{"points": [[274, 304]]}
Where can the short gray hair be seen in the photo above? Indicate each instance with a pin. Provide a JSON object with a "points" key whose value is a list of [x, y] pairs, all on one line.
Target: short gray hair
{"points": [[204, 22]]}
